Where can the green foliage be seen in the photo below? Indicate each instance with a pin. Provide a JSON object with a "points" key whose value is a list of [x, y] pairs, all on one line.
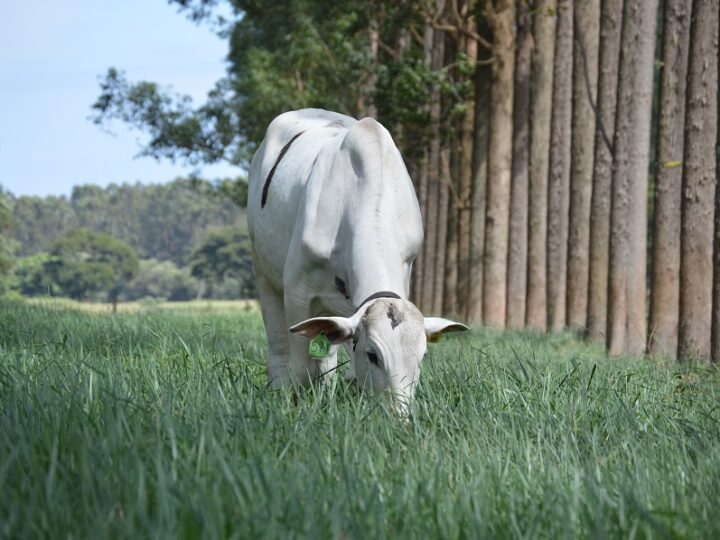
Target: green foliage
{"points": [[84, 262], [225, 253], [7, 246], [161, 280], [161, 221], [402, 87], [32, 276], [283, 56], [289, 55], [233, 189], [39, 220], [176, 130], [161, 425]]}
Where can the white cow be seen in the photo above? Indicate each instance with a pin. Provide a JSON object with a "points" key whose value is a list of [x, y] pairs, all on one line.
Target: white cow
{"points": [[335, 227]]}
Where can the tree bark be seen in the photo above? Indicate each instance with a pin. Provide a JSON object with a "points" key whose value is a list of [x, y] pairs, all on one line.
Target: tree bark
{"points": [[373, 44], [465, 189], [450, 273], [559, 180], [420, 177], [430, 253], [611, 26], [584, 88], [699, 179], [502, 22], [628, 221], [420, 264], [452, 139], [544, 26], [665, 290], [715, 338], [517, 255], [479, 187], [442, 227]]}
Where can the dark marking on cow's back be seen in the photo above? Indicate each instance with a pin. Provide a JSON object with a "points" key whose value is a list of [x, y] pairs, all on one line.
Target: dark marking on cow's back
{"points": [[282, 153], [395, 317], [340, 285]]}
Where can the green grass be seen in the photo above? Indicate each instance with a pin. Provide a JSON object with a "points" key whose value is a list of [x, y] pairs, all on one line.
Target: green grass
{"points": [[159, 424]]}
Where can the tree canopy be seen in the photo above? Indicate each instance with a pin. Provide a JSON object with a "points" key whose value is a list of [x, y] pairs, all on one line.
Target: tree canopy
{"points": [[284, 56], [161, 221], [161, 280], [32, 276], [225, 253], [84, 262], [7, 246]]}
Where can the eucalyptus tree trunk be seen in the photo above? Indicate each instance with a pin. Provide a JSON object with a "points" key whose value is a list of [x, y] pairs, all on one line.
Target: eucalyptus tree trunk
{"points": [[459, 177], [420, 178], [699, 183], [465, 181], [610, 30], [442, 226], [367, 105], [544, 26], [584, 88], [715, 337], [517, 255], [502, 23], [450, 273], [478, 197], [665, 289], [430, 252], [628, 226], [559, 179], [419, 266]]}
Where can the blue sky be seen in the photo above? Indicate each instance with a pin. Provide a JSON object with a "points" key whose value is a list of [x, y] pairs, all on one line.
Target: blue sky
{"points": [[51, 54]]}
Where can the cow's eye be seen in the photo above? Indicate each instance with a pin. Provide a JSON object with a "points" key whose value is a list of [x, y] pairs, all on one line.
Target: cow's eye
{"points": [[373, 358]]}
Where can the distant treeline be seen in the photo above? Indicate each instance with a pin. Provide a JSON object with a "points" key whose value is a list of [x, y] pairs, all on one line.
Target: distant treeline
{"points": [[160, 221]]}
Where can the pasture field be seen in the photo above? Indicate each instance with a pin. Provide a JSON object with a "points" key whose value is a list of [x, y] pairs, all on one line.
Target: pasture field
{"points": [[195, 306], [158, 424]]}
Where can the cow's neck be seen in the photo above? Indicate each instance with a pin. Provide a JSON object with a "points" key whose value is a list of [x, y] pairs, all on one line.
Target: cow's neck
{"points": [[371, 287], [375, 267], [372, 240]]}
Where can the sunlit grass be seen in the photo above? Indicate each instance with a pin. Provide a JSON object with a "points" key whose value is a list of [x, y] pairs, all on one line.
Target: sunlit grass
{"points": [[157, 423], [193, 306]]}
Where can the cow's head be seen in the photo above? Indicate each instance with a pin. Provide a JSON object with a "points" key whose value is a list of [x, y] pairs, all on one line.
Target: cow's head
{"points": [[389, 338]]}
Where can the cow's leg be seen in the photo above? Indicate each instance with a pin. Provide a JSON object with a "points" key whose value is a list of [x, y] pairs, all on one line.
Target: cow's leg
{"points": [[327, 367], [273, 312]]}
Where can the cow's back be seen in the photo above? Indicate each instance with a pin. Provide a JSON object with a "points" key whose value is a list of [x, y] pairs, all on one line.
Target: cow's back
{"points": [[278, 175]]}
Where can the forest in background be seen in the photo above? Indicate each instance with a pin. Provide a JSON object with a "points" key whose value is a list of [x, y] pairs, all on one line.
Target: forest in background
{"points": [[554, 193], [160, 221], [189, 238]]}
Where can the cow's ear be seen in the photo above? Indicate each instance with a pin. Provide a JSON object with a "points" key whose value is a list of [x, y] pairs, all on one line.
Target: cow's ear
{"points": [[435, 327], [337, 329]]}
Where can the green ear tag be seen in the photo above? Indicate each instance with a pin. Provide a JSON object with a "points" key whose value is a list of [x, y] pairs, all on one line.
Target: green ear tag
{"points": [[319, 346]]}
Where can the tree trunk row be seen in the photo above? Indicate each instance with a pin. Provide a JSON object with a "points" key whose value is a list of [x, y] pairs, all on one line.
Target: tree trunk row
{"points": [[535, 194]]}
